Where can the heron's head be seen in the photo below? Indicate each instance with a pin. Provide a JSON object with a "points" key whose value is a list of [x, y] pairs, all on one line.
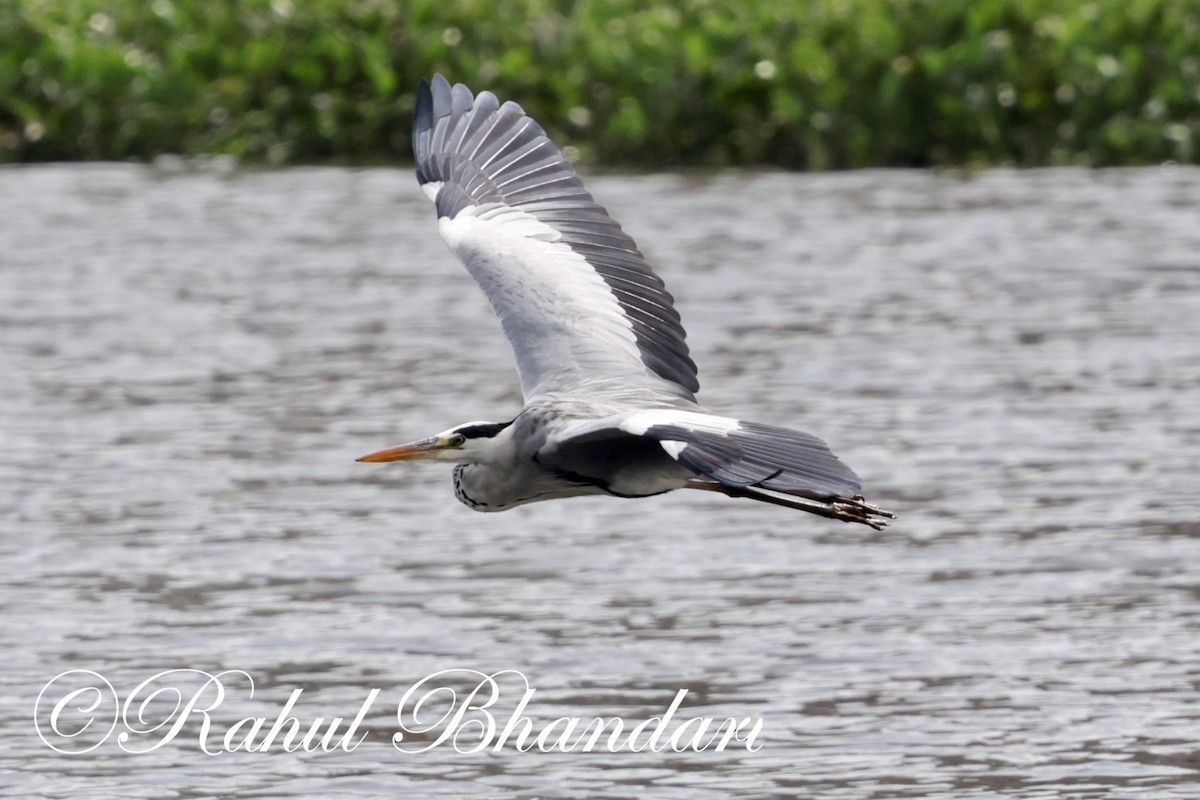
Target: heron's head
{"points": [[469, 443]]}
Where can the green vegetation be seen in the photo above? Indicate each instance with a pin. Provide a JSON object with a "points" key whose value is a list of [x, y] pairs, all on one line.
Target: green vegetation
{"points": [[816, 84]]}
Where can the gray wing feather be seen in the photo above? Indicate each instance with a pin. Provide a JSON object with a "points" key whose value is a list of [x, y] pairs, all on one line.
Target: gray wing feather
{"points": [[486, 154], [733, 452], [762, 456]]}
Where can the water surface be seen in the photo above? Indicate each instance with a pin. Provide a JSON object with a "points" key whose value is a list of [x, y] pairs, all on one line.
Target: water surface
{"points": [[193, 358]]}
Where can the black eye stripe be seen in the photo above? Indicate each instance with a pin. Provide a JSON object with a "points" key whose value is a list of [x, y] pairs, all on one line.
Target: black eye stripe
{"points": [[483, 429]]}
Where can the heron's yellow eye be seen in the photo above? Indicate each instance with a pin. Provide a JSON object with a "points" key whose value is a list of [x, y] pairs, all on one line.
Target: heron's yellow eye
{"points": [[457, 440]]}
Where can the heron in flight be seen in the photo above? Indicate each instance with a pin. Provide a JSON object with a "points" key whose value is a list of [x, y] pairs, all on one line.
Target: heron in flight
{"points": [[609, 387]]}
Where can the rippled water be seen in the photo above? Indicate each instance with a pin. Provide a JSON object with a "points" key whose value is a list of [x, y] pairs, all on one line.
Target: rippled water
{"points": [[192, 360]]}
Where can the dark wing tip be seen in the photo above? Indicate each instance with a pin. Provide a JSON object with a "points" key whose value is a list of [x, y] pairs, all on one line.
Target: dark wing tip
{"points": [[423, 120], [435, 99], [422, 127], [461, 99], [440, 89]]}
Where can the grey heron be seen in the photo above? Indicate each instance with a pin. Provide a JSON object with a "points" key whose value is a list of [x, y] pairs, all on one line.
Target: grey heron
{"points": [[609, 386]]}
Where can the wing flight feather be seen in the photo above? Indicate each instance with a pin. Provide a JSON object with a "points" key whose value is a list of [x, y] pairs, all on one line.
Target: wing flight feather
{"points": [[734, 452], [576, 299]]}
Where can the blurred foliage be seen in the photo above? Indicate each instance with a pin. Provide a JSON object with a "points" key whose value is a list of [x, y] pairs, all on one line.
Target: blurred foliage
{"points": [[817, 84]]}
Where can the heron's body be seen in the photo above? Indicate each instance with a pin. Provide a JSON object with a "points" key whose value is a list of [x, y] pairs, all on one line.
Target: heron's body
{"points": [[537, 463], [608, 382]]}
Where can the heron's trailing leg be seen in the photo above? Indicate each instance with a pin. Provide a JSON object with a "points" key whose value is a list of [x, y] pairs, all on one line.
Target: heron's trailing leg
{"points": [[853, 509]]}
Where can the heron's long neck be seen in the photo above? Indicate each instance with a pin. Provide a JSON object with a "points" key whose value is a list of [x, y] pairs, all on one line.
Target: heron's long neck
{"points": [[487, 481]]}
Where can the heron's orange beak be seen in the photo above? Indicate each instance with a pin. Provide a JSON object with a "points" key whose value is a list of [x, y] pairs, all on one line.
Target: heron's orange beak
{"points": [[426, 448]]}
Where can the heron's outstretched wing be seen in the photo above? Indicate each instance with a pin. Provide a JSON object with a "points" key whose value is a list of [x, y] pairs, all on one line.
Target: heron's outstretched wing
{"points": [[739, 453], [738, 458], [577, 301], [731, 451]]}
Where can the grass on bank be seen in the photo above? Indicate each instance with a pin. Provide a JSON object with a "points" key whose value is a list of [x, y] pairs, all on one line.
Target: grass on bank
{"points": [[810, 84]]}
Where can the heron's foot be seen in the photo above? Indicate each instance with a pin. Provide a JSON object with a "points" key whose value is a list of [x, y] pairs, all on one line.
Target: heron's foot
{"points": [[857, 509]]}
